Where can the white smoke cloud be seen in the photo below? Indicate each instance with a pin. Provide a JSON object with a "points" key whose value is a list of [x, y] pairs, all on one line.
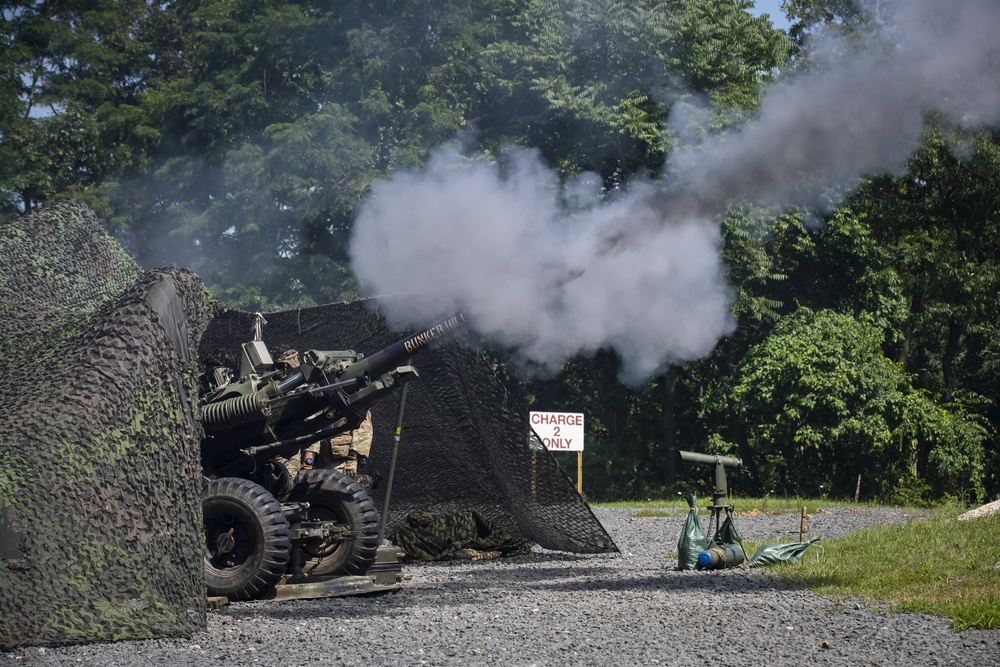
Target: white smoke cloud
{"points": [[552, 272], [498, 244]]}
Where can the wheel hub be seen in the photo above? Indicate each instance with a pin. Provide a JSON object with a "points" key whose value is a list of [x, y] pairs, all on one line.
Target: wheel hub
{"points": [[225, 542]]}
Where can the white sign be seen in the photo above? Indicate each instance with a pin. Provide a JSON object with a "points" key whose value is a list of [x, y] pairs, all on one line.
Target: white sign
{"points": [[559, 431]]}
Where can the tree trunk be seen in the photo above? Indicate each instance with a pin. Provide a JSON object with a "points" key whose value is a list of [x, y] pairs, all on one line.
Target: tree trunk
{"points": [[736, 430], [670, 425], [916, 307], [948, 358]]}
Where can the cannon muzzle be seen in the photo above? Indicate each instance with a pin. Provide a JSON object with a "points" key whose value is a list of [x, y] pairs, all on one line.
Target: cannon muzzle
{"points": [[365, 370]]}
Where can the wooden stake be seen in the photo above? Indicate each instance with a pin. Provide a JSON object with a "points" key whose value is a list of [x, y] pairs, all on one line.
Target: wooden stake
{"points": [[802, 525], [857, 489], [579, 473]]}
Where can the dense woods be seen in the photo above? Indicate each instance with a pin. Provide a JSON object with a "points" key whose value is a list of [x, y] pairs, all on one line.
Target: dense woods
{"points": [[238, 137]]}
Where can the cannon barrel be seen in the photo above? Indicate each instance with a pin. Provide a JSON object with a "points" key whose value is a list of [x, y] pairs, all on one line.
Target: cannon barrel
{"points": [[388, 358]]}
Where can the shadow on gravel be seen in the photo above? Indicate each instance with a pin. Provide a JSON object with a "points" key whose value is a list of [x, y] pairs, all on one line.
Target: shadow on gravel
{"points": [[469, 586]]}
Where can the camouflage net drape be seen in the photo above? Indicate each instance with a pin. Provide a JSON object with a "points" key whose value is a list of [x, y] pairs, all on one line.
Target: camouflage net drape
{"points": [[100, 476], [99, 445]]}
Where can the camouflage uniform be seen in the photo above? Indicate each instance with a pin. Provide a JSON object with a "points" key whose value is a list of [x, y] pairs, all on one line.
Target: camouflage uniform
{"points": [[343, 452]]}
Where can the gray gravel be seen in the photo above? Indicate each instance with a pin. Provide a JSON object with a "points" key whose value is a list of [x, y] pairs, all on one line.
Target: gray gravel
{"points": [[551, 608]]}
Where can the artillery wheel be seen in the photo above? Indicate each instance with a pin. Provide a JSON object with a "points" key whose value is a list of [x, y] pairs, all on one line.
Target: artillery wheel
{"points": [[339, 498], [247, 540], [273, 476]]}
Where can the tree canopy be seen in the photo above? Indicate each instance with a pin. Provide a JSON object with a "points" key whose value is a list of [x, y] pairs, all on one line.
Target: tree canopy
{"points": [[238, 138]]}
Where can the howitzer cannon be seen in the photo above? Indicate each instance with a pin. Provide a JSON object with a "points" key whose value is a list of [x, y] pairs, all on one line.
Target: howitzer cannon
{"points": [[262, 526]]}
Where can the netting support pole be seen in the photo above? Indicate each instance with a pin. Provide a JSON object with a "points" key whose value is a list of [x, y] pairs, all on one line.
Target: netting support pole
{"points": [[392, 463]]}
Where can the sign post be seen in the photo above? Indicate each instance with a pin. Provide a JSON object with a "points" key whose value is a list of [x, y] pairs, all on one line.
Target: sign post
{"points": [[561, 432]]}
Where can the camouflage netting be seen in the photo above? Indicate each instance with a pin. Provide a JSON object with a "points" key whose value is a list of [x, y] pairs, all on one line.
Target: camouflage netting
{"points": [[100, 477], [99, 445], [464, 443]]}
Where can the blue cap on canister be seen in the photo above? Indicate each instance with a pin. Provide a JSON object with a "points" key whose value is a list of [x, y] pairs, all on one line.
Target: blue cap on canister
{"points": [[705, 558]]}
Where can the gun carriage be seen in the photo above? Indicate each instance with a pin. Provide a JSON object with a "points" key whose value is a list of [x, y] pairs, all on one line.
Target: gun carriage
{"points": [[263, 526]]}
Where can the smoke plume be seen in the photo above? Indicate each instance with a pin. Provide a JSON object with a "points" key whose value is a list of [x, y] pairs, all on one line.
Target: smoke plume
{"points": [[552, 271], [497, 243], [855, 113]]}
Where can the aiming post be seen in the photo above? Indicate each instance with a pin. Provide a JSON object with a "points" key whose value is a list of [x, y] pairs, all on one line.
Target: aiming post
{"points": [[721, 490]]}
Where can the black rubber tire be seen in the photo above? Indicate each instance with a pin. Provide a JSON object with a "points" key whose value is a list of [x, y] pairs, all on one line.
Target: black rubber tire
{"points": [[261, 539], [334, 496]]}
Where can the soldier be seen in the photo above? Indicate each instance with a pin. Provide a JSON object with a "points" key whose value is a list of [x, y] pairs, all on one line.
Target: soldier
{"points": [[345, 452], [288, 361]]}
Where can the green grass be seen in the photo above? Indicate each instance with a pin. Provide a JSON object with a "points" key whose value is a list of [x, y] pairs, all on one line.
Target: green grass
{"points": [[770, 504], [934, 564], [643, 504], [655, 512]]}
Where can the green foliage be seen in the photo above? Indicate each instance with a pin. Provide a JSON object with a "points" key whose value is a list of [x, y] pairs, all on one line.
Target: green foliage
{"points": [[821, 404], [726, 53], [592, 83], [755, 270], [72, 76], [838, 263], [237, 138], [938, 222], [843, 16]]}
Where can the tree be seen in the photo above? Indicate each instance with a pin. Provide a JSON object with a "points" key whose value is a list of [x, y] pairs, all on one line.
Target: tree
{"points": [[275, 120], [938, 223], [845, 17], [71, 78], [592, 83], [820, 404]]}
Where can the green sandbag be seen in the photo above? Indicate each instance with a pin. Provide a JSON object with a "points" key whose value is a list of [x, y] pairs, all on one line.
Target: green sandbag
{"points": [[692, 540], [771, 554], [726, 534]]}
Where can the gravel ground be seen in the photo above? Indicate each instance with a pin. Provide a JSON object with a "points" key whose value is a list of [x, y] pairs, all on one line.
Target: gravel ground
{"points": [[550, 608]]}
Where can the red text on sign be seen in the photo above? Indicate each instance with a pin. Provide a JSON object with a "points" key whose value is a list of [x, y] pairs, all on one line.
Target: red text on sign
{"points": [[564, 419]]}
